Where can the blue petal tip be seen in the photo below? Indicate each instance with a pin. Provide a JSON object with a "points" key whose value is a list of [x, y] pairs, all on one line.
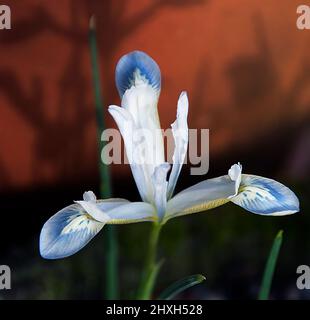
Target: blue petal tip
{"points": [[130, 64]]}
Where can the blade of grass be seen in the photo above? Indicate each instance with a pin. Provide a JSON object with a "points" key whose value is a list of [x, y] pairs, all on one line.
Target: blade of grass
{"points": [[105, 181], [181, 285], [270, 267]]}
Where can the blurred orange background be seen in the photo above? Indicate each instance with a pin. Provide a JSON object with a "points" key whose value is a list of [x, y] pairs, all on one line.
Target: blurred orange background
{"points": [[244, 64]]}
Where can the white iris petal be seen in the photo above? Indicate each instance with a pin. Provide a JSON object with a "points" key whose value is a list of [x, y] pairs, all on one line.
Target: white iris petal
{"points": [[89, 196], [144, 144], [138, 82], [202, 196], [159, 180], [92, 209], [235, 175], [180, 135], [265, 196], [126, 126]]}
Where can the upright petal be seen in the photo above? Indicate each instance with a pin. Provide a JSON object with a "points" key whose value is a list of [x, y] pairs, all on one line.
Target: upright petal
{"points": [[141, 102], [235, 173], [160, 184], [136, 159], [265, 196], [138, 82], [180, 135], [134, 68], [203, 196], [142, 77], [89, 196]]}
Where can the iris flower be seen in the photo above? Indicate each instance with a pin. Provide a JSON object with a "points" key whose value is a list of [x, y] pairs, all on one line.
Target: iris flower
{"points": [[138, 81]]}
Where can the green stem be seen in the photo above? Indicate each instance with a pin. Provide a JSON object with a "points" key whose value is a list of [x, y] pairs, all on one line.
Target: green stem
{"points": [[151, 267], [105, 180]]}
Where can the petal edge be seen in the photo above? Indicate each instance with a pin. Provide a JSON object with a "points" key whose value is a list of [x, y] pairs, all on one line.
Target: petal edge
{"points": [[67, 232], [265, 196]]}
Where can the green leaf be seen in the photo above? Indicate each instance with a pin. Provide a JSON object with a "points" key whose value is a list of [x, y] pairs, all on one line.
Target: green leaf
{"points": [[180, 286], [105, 178], [270, 267]]}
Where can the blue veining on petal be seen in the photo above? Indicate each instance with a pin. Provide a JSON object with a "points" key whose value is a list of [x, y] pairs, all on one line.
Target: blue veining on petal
{"points": [[68, 231], [130, 64], [266, 196]]}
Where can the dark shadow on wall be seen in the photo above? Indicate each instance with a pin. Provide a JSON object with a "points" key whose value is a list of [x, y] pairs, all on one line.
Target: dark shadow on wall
{"points": [[59, 142], [113, 27], [40, 22], [253, 78], [256, 94]]}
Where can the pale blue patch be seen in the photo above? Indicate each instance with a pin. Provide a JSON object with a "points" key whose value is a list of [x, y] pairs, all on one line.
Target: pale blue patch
{"points": [[133, 64], [265, 196], [68, 231]]}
